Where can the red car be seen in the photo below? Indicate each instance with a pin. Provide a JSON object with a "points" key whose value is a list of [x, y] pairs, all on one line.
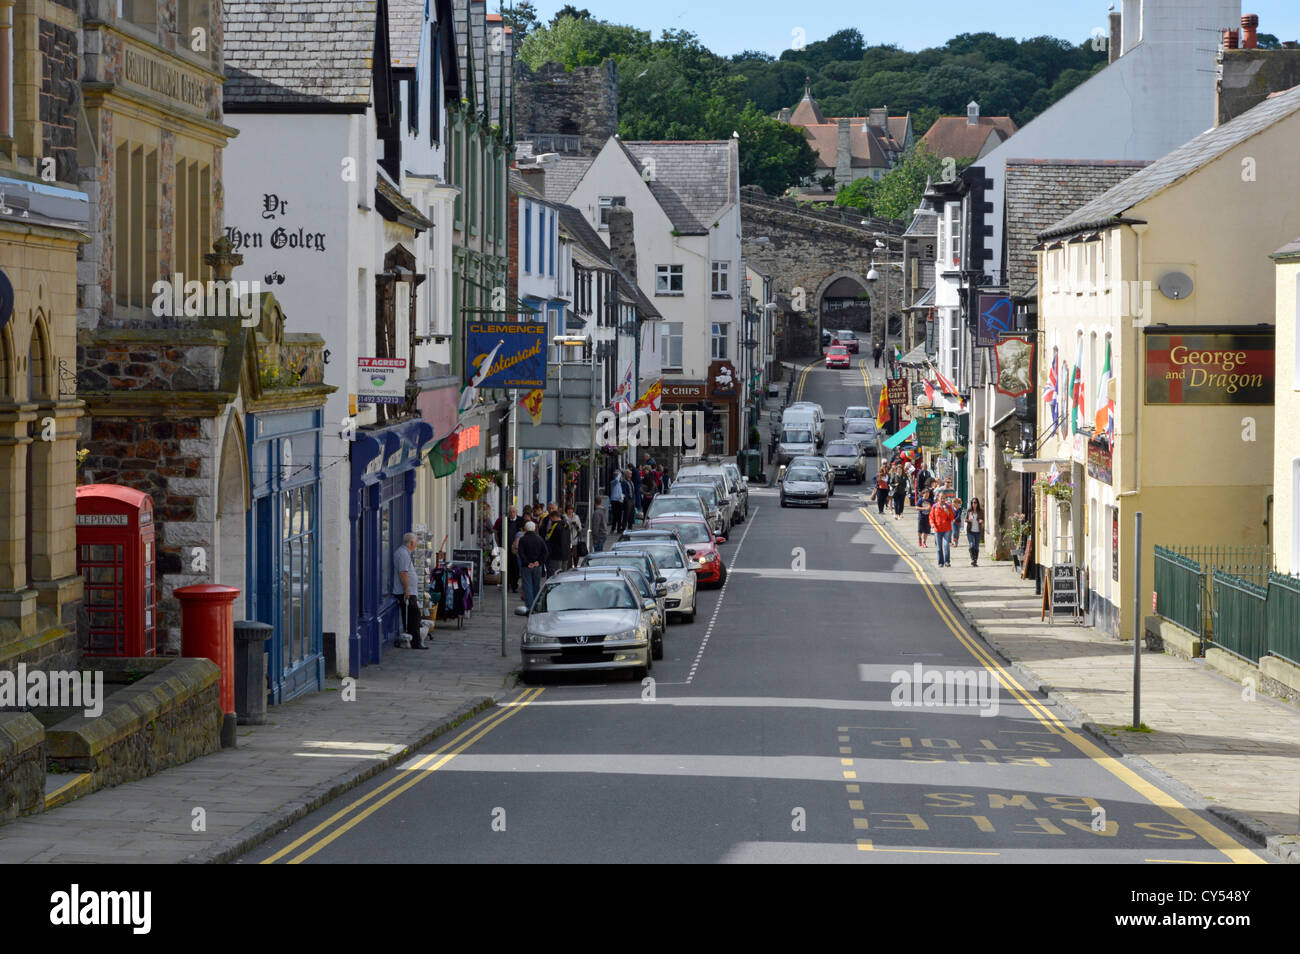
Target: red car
{"points": [[700, 543], [837, 357], [848, 339]]}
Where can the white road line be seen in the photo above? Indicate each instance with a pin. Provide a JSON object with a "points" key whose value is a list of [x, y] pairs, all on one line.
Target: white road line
{"points": [[722, 594]]}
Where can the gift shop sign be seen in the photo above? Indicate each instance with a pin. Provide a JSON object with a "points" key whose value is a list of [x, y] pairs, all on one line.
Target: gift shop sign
{"points": [[1195, 367], [381, 380]]}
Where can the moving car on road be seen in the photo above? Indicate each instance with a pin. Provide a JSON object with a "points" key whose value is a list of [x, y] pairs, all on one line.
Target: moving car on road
{"points": [[837, 357], [848, 460], [846, 338], [823, 466], [863, 432], [804, 486], [588, 619]]}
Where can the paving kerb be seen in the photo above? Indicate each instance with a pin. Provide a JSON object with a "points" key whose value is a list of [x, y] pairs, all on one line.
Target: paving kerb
{"points": [[466, 658], [1285, 847]]}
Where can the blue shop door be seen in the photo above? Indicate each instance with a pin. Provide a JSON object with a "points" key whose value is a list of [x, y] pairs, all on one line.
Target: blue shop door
{"points": [[302, 665]]}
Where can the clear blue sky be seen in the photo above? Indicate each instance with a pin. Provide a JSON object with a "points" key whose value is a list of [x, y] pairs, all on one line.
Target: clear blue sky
{"points": [[729, 26]]}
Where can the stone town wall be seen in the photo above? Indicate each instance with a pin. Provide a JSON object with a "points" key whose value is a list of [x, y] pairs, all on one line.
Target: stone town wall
{"points": [[581, 103]]}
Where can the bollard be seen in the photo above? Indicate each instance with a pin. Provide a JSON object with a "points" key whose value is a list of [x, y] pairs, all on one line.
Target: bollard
{"points": [[208, 632], [250, 670]]}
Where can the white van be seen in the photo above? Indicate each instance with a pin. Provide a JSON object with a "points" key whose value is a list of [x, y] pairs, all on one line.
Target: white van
{"points": [[805, 416]]}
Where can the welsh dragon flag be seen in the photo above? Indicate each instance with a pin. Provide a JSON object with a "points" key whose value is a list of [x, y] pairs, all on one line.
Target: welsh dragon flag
{"points": [[442, 459]]}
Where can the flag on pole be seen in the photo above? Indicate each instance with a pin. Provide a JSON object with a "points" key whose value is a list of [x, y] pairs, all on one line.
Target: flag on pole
{"points": [[532, 403], [1076, 397], [442, 460], [929, 392], [1053, 475], [1105, 422], [946, 384], [623, 396], [653, 397], [470, 392], [1051, 392], [882, 413]]}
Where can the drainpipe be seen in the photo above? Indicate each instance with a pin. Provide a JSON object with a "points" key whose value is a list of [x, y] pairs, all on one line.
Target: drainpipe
{"points": [[1139, 229]]}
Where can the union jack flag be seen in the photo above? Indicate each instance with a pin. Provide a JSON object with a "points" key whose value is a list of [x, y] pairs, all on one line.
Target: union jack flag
{"points": [[1051, 392], [623, 396]]}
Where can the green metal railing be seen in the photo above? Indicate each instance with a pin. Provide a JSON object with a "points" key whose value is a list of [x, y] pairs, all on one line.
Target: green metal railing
{"points": [[1250, 562], [1283, 612], [1180, 590], [1240, 618]]}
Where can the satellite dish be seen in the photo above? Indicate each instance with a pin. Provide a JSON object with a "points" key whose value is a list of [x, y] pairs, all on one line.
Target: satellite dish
{"points": [[1175, 285]]}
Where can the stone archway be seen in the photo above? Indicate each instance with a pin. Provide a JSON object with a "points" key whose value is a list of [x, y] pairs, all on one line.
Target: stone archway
{"points": [[844, 301]]}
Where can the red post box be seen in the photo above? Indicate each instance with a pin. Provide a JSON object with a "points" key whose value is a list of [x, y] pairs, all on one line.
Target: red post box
{"points": [[115, 557], [208, 631]]}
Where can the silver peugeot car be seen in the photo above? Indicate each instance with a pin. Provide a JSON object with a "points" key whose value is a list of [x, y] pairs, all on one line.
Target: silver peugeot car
{"points": [[804, 486], [588, 619]]}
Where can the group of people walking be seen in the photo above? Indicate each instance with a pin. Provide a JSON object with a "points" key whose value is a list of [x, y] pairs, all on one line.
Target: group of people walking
{"points": [[939, 511]]}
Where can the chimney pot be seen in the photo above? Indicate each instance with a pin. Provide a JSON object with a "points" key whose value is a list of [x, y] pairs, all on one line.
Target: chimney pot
{"points": [[1229, 39], [1249, 34]]}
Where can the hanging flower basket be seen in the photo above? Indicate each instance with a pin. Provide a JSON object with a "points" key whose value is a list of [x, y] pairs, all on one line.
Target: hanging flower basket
{"points": [[476, 485], [1062, 490]]}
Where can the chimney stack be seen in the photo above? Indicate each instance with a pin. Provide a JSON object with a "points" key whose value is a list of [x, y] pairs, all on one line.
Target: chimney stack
{"points": [[1116, 37], [1229, 39], [1249, 34], [843, 156], [879, 117], [622, 240]]}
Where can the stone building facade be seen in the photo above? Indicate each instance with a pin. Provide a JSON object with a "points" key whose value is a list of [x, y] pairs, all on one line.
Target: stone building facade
{"points": [[42, 223], [559, 111]]}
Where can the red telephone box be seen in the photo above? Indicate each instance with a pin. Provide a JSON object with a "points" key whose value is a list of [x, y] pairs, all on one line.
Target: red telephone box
{"points": [[116, 558]]}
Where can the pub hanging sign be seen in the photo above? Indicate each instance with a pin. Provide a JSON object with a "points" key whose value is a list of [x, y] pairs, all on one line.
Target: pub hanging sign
{"points": [[1209, 367]]}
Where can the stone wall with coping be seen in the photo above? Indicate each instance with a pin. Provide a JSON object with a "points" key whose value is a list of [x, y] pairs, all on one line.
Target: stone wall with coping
{"points": [[22, 765]]}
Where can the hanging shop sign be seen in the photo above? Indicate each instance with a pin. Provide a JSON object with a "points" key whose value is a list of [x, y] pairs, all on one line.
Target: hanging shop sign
{"points": [[381, 380], [898, 391], [929, 431], [1215, 367], [1099, 455], [996, 315], [521, 360], [1015, 354]]}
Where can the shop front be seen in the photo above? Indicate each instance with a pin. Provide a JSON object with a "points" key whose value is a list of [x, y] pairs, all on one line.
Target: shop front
{"points": [[384, 463], [283, 569]]}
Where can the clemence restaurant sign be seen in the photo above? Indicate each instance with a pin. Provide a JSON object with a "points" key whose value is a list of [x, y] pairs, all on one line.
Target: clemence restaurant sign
{"points": [[1200, 366]]}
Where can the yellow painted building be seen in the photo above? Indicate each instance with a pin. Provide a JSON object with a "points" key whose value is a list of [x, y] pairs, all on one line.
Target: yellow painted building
{"points": [[42, 224], [1171, 269], [1286, 438]]}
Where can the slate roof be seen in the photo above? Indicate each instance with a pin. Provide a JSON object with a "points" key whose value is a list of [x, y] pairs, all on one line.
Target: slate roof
{"points": [[1289, 251], [954, 136], [304, 53], [1041, 191], [925, 222], [1182, 162], [405, 27], [691, 181], [563, 175], [521, 188]]}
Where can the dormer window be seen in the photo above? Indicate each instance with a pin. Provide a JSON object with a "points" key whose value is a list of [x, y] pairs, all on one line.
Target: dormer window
{"points": [[972, 113]]}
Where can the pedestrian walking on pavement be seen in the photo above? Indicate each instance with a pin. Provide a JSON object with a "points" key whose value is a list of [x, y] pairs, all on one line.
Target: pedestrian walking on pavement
{"points": [[578, 543], [533, 554], [599, 525], [882, 489], [941, 522], [629, 500], [616, 502], [923, 507], [974, 529], [556, 534], [404, 588], [876, 352], [956, 520], [898, 489]]}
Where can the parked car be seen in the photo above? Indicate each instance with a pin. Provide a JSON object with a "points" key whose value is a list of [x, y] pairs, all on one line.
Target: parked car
{"points": [[826, 468], [846, 338], [737, 484], [701, 546], [727, 501], [676, 567], [863, 432], [679, 503], [837, 357], [848, 460], [827, 337], [588, 619], [858, 410], [650, 582], [804, 486], [795, 442], [718, 508]]}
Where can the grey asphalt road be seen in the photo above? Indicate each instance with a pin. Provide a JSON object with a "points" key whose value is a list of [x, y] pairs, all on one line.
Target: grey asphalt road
{"points": [[782, 727]]}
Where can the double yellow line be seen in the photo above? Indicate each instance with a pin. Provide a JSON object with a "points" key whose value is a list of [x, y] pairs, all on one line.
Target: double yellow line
{"points": [[1235, 851], [405, 778]]}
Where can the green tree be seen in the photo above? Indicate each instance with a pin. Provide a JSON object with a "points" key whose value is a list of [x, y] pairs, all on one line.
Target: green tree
{"points": [[581, 41], [859, 194], [520, 17], [569, 10], [899, 191]]}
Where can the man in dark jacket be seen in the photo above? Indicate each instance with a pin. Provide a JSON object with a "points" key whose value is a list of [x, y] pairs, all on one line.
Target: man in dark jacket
{"points": [[556, 534], [533, 554]]}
